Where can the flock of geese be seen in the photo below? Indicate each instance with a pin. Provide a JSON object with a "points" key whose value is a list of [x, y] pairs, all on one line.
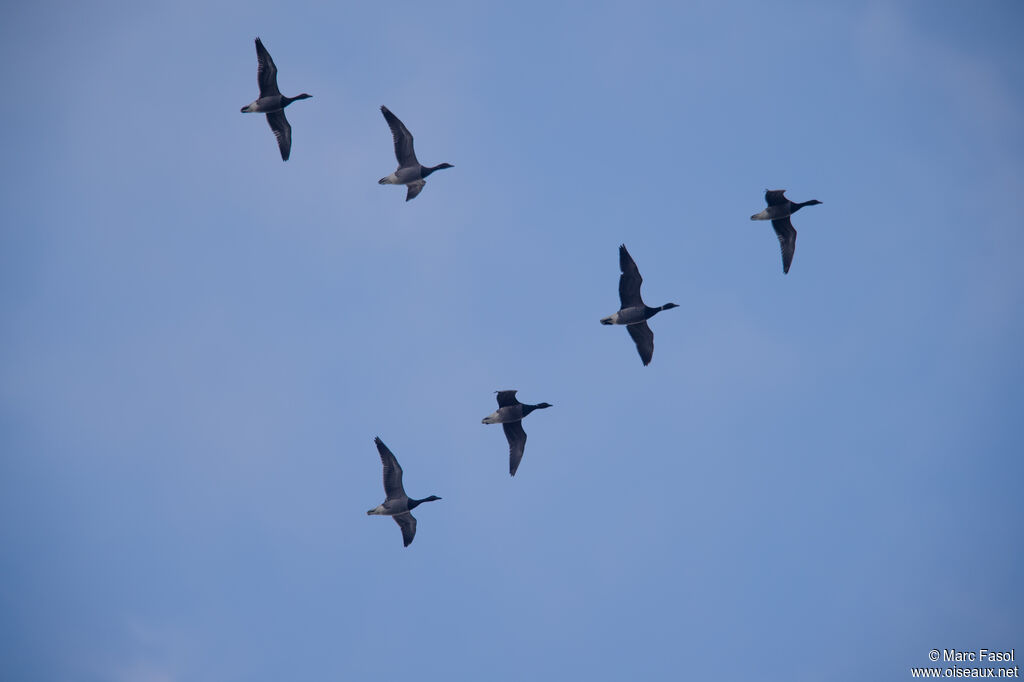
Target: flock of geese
{"points": [[633, 312]]}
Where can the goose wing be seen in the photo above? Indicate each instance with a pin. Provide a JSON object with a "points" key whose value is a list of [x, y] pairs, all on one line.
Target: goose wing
{"points": [[266, 72], [787, 240], [414, 188], [403, 145], [407, 522], [629, 281], [775, 197], [392, 473], [282, 131], [516, 444], [643, 337], [506, 398]]}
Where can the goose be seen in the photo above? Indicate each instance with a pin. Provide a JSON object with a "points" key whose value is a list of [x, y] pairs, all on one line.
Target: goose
{"points": [[271, 102], [778, 211], [397, 505], [410, 172], [510, 414], [634, 313]]}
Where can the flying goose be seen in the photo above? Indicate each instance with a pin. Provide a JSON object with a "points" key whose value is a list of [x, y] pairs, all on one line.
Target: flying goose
{"points": [[510, 415], [271, 102], [634, 312], [410, 172], [778, 211], [398, 504]]}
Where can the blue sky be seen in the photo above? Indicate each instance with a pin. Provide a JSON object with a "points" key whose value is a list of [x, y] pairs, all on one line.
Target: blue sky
{"points": [[817, 478]]}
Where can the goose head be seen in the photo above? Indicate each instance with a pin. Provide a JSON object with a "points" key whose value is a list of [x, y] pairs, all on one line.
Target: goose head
{"points": [[427, 170], [797, 207]]}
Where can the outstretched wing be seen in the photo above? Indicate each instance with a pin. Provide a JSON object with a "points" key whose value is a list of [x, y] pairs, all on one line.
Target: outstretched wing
{"points": [[775, 197], [407, 522], [516, 444], [266, 72], [282, 131], [506, 398], [787, 240], [643, 337], [403, 144], [392, 472], [629, 281], [414, 188]]}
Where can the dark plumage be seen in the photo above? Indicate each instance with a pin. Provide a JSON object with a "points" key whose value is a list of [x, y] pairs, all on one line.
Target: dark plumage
{"points": [[410, 172], [397, 504], [779, 210], [510, 414], [271, 102], [633, 311]]}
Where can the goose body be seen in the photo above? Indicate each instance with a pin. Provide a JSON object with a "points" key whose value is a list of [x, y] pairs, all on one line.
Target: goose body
{"points": [[397, 504], [410, 171], [271, 102], [268, 105], [510, 414], [632, 315], [633, 312], [779, 210]]}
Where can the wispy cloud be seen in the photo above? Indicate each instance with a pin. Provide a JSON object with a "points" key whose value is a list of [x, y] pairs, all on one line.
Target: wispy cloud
{"points": [[143, 672], [889, 40], [151, 653]]}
